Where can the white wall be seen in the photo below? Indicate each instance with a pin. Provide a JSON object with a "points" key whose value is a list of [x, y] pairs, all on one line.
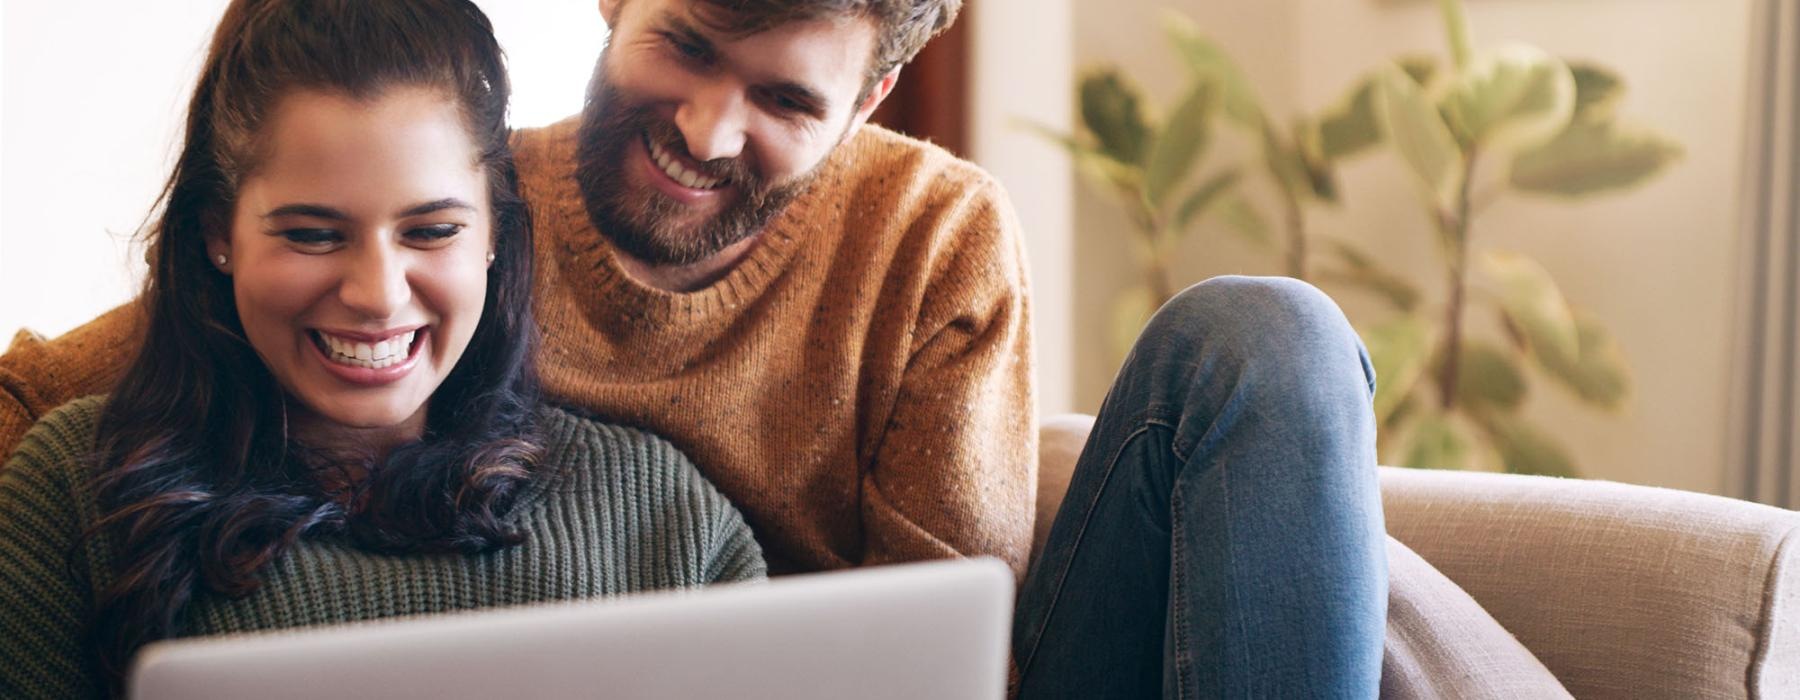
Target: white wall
{"points": [[92, 97], [1021, 62], [94, 92]]}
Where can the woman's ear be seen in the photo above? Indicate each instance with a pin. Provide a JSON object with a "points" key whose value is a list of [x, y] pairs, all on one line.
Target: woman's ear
{"points": [[218, 252]]}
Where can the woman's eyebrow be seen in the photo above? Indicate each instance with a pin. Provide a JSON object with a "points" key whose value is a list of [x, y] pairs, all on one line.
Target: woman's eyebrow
{"points": [[320, 211], [437, 206], [317, 211]]}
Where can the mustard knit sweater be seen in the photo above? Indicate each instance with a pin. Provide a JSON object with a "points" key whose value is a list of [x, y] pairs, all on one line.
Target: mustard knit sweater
{"points": [[860, 386]]}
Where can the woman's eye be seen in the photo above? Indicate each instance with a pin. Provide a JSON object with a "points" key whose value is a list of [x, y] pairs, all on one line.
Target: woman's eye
{"points": [[311, 237], [435, 232]]}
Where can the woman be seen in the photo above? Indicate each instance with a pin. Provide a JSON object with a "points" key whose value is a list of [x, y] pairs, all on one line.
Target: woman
{"points": [[334, 415]]}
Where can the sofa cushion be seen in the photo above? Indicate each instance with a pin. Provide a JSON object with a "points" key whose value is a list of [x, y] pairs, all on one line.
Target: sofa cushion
{"points": [[1441, 644]]}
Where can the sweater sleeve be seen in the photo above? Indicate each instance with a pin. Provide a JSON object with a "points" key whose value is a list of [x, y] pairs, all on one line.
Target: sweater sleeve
{"points": [[732, 553], [38, 375], [955, 470], [44, 584]]}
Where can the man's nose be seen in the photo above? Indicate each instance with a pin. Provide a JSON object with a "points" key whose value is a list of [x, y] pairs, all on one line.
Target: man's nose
{"points": [[375, 284], [713, 123]]}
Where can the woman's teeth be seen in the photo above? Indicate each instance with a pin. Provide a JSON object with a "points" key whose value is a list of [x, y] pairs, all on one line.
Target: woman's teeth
{"points": [[672, 167], [368, 355]]}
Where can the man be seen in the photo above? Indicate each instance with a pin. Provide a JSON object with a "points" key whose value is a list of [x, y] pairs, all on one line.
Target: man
{"points": [[832, 320]]}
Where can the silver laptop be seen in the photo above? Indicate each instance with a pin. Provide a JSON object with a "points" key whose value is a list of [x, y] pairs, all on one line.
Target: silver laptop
{"points": [[930, 630]]}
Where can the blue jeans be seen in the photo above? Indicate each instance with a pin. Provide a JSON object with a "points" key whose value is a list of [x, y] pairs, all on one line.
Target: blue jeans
{"points": [[1222, 533]]}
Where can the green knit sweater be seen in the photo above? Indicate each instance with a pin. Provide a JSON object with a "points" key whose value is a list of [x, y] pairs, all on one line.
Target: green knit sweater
{"points": [[613, 511]]}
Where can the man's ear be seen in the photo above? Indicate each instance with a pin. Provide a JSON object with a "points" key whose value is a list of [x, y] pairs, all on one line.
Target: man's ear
{"points": [[218, 253], [880, 92], [609, 11]]}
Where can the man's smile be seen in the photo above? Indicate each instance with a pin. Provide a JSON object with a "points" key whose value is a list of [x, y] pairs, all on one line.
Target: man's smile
{"points": [[678, 171]]}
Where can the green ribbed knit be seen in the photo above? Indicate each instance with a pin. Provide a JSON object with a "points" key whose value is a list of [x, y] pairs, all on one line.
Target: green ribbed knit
{"points": [[615, 511]]}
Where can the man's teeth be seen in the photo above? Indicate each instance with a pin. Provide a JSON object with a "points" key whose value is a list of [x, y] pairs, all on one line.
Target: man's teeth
{"points": [[672, 167], [369, 355]]}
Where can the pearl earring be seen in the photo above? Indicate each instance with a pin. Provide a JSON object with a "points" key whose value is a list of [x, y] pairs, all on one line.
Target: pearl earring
{"points": [[490, 257], [221, 259]]}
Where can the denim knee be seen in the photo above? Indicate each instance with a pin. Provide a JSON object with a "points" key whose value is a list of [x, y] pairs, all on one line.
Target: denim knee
{"points": [[1277, 329], [1256, 313]]}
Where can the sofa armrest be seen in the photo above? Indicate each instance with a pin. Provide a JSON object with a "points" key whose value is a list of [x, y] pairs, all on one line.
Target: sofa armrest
{"points": [[1621, 591]]}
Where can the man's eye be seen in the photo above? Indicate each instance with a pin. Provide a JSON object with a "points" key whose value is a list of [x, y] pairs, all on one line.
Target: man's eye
{"points": [[789, 104], [688, 49], [311, 237], [435, 232]]}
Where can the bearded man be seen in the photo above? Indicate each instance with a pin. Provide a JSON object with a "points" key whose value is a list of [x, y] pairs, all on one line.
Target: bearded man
{"points": [[832, 320]]}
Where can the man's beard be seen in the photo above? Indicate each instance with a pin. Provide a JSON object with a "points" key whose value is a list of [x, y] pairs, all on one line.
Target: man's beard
{"points": [[642, 222]]}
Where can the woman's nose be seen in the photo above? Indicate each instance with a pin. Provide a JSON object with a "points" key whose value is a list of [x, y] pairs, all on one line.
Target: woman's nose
{"points": [[375, 284]]}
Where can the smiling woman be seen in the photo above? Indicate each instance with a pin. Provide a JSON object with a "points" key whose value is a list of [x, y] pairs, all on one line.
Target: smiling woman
{"points": [[359, 253], [333, 413]]}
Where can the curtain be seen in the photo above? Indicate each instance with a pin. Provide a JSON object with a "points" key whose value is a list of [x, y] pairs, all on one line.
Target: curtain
{"points": [[1764, 451]]}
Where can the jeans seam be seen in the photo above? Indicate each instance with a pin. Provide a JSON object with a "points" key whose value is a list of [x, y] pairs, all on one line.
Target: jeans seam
{"points": [[1062, 575], [1178, 601]]}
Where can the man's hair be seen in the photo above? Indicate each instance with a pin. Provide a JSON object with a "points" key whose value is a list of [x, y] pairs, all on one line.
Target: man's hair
{"points": [[902, 27]]}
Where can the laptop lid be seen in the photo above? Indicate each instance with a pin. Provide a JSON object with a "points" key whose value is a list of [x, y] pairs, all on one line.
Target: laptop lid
{"points": [[927, 630]]}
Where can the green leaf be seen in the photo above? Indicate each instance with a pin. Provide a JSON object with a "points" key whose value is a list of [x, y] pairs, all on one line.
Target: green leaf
{"points": [[1399, 350], [1598, 91], [1515, 99], [1437, 443], [1591, 157], [1209, 61], [1525, 450], [1112, 110], [1321, 177], [1412, 124], [1120, 180], [1421, 68], [1361, 270], [1179, 145], [1242, 217], [1350, 127], [1598, 375], [1286, 164], [1531, 301], [1487, 378], [1131, 311], [1204, 198], [1456, 27]]}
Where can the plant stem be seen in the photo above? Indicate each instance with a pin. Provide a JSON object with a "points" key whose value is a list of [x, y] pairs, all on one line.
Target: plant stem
{"points": [[1296, 226], [1294, 217], [1455, 229], [1156, 253], [1157, 276]]}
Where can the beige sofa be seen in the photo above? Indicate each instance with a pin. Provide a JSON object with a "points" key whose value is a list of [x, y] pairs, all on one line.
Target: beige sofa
{"points": [[1620, 591]]}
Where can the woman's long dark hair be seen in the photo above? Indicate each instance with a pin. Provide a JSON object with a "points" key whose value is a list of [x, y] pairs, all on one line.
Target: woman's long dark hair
{"points": [[198, 482]]}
